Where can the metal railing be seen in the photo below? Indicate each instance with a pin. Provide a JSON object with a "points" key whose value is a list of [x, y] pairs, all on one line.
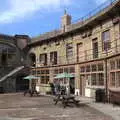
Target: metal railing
{"points": [[88, 54], [96, 11]]}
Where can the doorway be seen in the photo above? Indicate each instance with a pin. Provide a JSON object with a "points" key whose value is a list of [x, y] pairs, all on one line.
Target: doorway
{"points": [[72, 85], [82, 85], [4, 59], [32, 58], [21, 84]]}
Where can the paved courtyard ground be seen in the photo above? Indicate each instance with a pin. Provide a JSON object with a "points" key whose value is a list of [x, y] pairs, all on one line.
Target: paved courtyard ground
{"points": [[18, 107]]}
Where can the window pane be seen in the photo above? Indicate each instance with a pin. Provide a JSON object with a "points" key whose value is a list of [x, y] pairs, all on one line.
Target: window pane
{"points": [[66, 70], [93, 79], [82, 69], [72, 70], [94, 68], [100, 67]]}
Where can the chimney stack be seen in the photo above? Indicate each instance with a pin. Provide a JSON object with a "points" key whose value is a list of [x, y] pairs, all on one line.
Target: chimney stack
{"points": [[66, 20]]}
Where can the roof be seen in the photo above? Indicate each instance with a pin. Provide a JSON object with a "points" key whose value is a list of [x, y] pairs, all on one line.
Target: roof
{"points": [[87, 21], [4, 36]]}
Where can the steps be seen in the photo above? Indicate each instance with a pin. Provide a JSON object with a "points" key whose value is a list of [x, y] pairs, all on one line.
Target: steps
{"points": [[11, 73]]}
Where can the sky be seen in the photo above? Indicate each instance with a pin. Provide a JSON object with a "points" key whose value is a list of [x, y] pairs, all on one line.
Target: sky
{"points": [[35, 17]]}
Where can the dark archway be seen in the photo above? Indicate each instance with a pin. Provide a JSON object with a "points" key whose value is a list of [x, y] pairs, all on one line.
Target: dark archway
{"points": [[21, 83], [32, 58], [4, 59], [7, 54]]}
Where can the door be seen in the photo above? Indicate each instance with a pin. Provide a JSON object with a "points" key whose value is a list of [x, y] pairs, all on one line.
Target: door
{"points": [[72, 85], [82, 85]]}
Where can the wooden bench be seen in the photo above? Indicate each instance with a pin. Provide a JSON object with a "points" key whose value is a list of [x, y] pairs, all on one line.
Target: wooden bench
{"points": [[65, 100]]}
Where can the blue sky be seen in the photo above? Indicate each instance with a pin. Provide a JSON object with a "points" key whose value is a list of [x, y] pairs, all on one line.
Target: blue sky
{"points": [[34, 17]]}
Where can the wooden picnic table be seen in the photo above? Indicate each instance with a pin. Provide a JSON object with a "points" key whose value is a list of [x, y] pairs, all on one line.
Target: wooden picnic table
{"points": [[65, 99], [31, 92]]}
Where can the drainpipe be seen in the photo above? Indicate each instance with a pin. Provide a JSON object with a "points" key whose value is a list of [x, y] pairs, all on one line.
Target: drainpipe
{"points": [[106, 78]]}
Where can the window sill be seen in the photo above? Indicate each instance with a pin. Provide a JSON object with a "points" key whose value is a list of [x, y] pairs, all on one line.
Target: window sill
{"points": [[95, 87]]}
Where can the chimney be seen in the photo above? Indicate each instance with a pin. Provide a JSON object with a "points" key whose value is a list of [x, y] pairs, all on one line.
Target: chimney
{"points": [[66, 20]]}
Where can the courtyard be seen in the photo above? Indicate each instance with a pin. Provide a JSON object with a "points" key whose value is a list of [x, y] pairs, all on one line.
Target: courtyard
{"points": [[19, 107]]}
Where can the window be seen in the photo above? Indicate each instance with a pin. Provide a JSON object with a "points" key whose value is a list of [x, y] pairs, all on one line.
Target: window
{"points": [[106, 40], [81, 53], [53, 57], [56, 71], [94, 68], [69, 51], [60, 70], [93, 79], [118, 79], [100, 79], [44, 79], [33, 72], [95, 48], [82, 69], [112, 64], [72, 70], [100, 67], [43, 59], [88, 68], [118, 63], [38, 71], [88, 79], [66, 70], [112, 77], [47, 71]]}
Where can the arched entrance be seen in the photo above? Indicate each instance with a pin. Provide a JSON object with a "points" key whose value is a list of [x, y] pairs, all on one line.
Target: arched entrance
{"points": [[4, 59], [21, 83], [32, 58], [7, 52]]}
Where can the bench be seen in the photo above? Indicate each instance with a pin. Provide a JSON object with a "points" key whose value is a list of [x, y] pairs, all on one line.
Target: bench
{"points": [[65, 100], [31, 92]]}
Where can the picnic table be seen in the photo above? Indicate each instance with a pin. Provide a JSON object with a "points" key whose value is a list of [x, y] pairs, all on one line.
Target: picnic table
{"points": [[65, 100], [31, 92]]}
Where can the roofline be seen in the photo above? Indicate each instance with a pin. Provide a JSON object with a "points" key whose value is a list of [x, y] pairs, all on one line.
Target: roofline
{"points": [[77, 26], [5, 35]]}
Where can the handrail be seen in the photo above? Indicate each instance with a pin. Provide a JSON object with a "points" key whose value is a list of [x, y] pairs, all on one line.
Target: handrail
{"points": [[11, 73]]}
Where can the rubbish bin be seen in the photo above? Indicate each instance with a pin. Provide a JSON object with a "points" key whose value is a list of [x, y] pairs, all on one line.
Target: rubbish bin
{"points": [[100, 95], [1, 90]]}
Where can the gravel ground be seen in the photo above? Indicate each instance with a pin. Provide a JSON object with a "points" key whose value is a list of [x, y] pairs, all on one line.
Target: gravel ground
{"points": [[18, 107]]}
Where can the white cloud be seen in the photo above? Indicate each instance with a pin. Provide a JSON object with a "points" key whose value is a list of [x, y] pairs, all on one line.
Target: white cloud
{"points": [[99, 1], [22, 8]]}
